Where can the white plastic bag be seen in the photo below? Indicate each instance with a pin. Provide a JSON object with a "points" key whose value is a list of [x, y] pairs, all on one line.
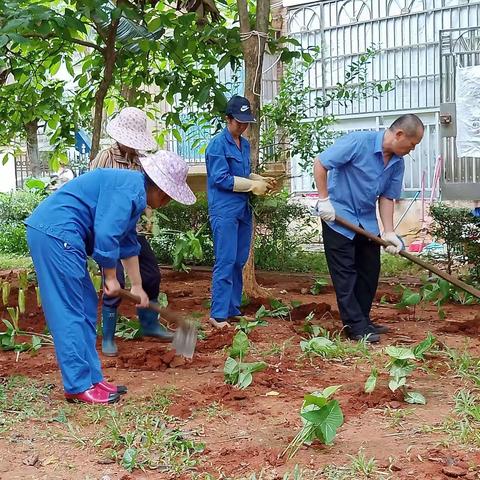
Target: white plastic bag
{"points": [[468, 111]]}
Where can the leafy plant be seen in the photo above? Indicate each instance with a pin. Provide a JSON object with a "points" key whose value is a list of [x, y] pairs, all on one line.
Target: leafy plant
{"points": [[400, 364], [187, 247], [128, 328], [8, 338], [248, 325], [328, 346], [318, 286], [239, 373], [409, 299], [321, 417]]}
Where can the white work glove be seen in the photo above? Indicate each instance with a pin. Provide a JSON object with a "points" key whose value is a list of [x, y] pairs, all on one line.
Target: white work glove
{"points": [[396, 244], [244, 185], [324, 209], [270, 180]]}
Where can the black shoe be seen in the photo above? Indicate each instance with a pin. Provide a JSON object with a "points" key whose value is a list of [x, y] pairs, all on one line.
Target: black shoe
{"points": [[376, 328], [369, 337]]}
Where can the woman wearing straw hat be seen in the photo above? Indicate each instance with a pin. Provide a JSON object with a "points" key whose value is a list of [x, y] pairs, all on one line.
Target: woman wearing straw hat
{"points": [[95, 215], [129, 130]]}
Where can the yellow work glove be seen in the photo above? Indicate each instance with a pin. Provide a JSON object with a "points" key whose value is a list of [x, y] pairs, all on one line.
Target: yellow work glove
{"points": [[244, 185], [270, 180]]}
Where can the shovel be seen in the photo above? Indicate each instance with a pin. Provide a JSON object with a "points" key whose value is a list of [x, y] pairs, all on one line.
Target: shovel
{"points": [[185, 337], [432, 268]]}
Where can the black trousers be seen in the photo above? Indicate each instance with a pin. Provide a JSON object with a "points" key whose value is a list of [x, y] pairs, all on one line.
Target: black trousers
{"points": [[354, 267], [149, 271]]}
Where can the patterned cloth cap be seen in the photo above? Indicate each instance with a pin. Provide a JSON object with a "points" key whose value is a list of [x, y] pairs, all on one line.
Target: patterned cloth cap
{"points": [[169, 172], [129, 128]]}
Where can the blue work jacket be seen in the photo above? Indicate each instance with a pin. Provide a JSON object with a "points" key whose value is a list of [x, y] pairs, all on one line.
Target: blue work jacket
{"points": [[358, 176], [224, 160], [96, 213]]}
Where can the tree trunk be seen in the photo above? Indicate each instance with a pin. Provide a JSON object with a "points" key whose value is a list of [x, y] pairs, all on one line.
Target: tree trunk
{"points": [[110, 56], [33, 154], [253, 53]]}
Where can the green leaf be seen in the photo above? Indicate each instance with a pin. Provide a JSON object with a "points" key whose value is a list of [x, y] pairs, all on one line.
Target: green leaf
{"points": [[231, 365], [253, 367], [396, 383], [424, 346], [315, 398], [400, 353], [401, 368], [327, 419], [415, 397], [129, 459], [240, 345], [329, 391], [244, 379], [371, 382]]}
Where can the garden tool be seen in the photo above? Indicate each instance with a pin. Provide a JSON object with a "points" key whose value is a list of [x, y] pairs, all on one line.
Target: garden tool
{"points": [[185, 337], [432, 268]]}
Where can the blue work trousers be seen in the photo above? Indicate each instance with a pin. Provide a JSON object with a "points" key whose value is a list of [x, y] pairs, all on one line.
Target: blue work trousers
{"points": [[69, 302], [232, 237]]}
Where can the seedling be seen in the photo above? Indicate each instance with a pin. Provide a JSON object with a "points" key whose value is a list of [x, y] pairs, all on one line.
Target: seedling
{"points": [[162, 300], [239, 373], [21, 300], [409, 299], [318, 286], [6, 287], [321, 418], [399, 366], [247, 326], [23, 279], [8, 338], [39, 298], [128, 329], [326, 345]]}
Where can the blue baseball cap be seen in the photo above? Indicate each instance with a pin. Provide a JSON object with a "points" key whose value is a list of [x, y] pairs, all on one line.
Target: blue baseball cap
{"points": [[239, 108]]}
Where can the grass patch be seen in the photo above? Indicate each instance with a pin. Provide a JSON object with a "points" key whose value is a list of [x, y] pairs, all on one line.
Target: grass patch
{"points": [[13, 262], [139, 434], [332, 346], [21, 398], [464, 425]]}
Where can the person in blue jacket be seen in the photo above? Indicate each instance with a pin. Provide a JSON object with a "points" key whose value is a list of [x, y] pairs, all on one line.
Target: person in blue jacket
{"points": [[362, 168], [94, 215], [229, 183]]}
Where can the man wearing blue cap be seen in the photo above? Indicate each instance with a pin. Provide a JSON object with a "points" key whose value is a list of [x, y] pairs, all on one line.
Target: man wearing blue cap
{"points": [[229, 184]]}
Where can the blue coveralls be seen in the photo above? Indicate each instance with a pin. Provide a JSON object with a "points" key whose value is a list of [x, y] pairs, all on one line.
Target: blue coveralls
{"points": [[93, 215], [231, 221]]}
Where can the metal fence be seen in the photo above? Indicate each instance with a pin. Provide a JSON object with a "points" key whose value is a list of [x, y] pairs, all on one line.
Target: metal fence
{"points": [[406, 34]]}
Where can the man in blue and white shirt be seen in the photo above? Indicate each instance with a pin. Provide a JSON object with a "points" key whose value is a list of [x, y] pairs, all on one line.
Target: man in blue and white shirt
{"points": [[362, 167]]}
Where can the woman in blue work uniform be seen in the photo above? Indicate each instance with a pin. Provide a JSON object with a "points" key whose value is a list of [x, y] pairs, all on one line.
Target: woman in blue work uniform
{"points": [[94, 215], [229, 183]]}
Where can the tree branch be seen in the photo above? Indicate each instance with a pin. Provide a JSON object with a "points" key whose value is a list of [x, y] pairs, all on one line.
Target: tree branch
{"points": [[78, 41], [242, 6]]}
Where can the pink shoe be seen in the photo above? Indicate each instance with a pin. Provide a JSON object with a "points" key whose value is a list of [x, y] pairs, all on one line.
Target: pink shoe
{"points": [[94, 395], [111, 388]]}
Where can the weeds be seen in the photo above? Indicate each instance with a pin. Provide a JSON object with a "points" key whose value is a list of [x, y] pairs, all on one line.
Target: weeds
{"points": [[464, 425], [21, 399], [330, 346]]}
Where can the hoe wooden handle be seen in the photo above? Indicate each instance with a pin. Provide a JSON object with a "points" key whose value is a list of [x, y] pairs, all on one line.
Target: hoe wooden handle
{"points": [[164, 312], [432, 268]]}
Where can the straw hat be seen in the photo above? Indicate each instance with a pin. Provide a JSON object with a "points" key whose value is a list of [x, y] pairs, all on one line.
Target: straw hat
{"points": [[129, 128], [169, 172]]}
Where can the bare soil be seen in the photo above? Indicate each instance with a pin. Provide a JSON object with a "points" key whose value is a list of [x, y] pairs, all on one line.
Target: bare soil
{"points": [[245, 430]]}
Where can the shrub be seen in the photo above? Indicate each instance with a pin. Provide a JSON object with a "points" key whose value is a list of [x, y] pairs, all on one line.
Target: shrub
{"points": [[460, 231], [277, 243], [15, 207]]}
